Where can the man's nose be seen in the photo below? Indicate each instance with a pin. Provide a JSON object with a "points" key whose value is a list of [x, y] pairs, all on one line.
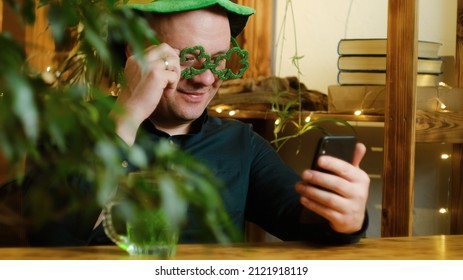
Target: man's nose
{"points": [[206, 78]]}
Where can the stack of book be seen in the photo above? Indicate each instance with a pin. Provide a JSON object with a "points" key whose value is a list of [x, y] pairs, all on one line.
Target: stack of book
{"points": [[363, 62]]}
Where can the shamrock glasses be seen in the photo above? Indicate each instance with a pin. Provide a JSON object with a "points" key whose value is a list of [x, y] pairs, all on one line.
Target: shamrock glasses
{"points": [[197, 61]]}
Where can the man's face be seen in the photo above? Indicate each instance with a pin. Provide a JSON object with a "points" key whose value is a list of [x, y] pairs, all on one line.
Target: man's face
{"points": [[209, 29]]}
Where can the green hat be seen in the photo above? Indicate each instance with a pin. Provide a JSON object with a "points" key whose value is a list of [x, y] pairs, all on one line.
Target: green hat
{"points": [[237, 14]]}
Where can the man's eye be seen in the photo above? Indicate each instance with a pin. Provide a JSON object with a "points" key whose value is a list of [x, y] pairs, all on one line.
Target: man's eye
{"points": [[189, 61], [190, 58], [219, 62]]}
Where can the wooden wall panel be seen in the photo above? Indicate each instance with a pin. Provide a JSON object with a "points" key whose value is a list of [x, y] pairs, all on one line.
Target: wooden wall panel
{"points": [[1, 15], [257, 38], [3, 164], [4, 173], [11, 24], [39, 46], [456, 192], [459, 46]]}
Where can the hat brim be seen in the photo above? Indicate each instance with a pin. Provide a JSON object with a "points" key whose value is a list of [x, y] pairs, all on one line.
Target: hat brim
{"points": [[237, 14]]}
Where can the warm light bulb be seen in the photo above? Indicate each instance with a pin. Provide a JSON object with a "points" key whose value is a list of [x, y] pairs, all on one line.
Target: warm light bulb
{"points": [[219, 110], [441, 104], [444, 156], [358, 112], [277, 121], [48, 69], [442, 210], [232, 113], [307, 120], [442, 84]]}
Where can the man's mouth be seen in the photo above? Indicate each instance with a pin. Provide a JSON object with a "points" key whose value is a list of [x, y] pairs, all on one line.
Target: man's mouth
{"points": [[193, 96]]}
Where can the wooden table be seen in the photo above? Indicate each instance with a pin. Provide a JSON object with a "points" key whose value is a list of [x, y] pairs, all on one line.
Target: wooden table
{"points": [[398, 248]]}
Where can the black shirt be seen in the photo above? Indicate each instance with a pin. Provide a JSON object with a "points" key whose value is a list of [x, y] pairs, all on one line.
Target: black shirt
{"points": [[259, 187]]}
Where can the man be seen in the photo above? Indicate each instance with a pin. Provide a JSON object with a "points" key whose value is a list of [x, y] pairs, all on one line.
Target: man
{"points": [[260, 188]]}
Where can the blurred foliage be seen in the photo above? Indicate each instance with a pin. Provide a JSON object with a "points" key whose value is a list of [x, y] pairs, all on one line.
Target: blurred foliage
{"points": [[61, 125]]}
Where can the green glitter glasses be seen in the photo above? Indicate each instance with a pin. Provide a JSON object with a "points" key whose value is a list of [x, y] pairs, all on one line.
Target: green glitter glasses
{"points": [[196, 61]]}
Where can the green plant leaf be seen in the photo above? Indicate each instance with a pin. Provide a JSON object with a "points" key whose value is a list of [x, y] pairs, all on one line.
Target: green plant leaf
{"points": [[174, 205], [24, 105], [64, 128]]}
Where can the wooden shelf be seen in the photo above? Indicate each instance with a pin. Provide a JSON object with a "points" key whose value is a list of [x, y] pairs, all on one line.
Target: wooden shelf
{"points": [[431, 127], [439, 127], [269, 115]]}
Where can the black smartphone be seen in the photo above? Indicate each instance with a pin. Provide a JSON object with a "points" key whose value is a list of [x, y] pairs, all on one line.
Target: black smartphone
{"points": [[341, 147]]}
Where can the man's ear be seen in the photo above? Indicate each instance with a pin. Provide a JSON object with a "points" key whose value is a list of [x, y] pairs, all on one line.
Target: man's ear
{"points": [[128, 51]]}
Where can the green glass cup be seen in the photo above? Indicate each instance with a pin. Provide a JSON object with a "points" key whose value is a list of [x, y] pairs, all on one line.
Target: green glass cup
{"points": [[135, 220]]}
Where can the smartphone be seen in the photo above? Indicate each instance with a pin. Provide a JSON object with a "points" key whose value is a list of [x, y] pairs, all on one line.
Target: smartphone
{"points": [[341, 147]]}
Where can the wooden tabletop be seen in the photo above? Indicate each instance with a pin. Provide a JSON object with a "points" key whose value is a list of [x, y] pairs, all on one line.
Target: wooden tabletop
{"points": [[402, 248]]}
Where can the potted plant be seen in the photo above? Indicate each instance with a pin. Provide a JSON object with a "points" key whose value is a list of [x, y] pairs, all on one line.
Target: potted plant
{"points": [[60, 123], [292, 122]]}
